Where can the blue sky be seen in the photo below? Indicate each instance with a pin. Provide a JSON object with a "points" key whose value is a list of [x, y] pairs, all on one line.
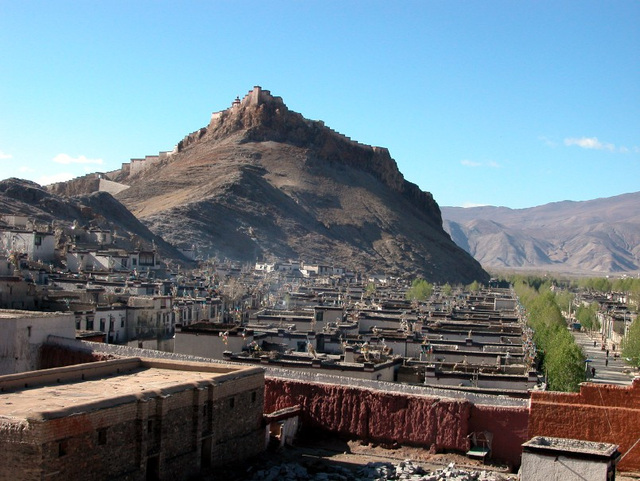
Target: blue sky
{"points": [[497, 102]]}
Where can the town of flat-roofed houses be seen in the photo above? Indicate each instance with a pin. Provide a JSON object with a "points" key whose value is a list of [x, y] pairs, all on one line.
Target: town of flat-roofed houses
{"points": [[291, 309], [311, 346]]}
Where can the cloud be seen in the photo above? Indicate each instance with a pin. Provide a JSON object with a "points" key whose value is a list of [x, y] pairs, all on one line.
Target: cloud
{"points": [[467, 205], [5, 156], [589, 143], [66, 159], [548, 142], [25, 169], [472, 163], [52, 179]]}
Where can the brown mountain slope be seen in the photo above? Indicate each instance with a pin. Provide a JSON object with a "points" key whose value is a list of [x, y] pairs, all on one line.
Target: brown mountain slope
{"points": [[597, 236], [262, 181], [96, 210]]}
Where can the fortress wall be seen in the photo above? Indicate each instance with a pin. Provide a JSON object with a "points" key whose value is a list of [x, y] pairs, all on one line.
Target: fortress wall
{"points": [[599, 412], [111, 187], [138, 165]]}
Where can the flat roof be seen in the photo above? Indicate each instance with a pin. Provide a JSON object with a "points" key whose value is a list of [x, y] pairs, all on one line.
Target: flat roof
{"points": [[19, 314], [573, 446], [60, 392]]}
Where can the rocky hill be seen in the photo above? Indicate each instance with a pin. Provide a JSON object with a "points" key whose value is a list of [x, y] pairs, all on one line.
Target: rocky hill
{"points": [[96, 209], [261, 181], [599, 236]]}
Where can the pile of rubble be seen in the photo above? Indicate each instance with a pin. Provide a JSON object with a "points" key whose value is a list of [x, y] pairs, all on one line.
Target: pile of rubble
{"points": [[404, 470]]}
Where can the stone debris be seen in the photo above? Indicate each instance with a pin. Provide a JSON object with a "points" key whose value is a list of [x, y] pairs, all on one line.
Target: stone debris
{"points": [[379, 471]]}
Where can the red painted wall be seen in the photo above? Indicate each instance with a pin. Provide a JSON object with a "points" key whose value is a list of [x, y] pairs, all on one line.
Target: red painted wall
{"points": [[56, 356], [509, 426], [437, 423], [599, 412]]}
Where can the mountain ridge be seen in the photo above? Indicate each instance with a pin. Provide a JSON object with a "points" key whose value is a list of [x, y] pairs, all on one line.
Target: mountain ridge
{"points": [[600, 236]]}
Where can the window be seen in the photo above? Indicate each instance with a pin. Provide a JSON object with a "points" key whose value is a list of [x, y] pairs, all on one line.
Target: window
{"points": [[146, 258], [63, 448], [232, 402], [102, 436], [122, 322], [254, 396], [89, 323], [102, 324], [37, 240]]}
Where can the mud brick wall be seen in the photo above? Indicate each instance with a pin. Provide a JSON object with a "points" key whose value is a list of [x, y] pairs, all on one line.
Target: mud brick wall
{"points": [[599, 412], [432, 422], [57, 356], [375, 415], [115, 441], [508, 425]]}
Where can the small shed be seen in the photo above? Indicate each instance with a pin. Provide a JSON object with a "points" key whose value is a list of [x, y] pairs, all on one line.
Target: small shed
{"points": [[546, 459]]}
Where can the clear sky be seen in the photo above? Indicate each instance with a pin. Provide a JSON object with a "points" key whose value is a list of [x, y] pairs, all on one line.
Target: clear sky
{"points": [[514, 103]]}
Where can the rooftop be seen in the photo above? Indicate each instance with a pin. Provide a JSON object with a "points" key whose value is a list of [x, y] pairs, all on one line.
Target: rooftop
{"points": [[577, 446], [54, 393]]}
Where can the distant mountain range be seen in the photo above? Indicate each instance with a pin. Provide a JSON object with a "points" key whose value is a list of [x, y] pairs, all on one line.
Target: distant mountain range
{"points": [[595, 237], [261, 182]]}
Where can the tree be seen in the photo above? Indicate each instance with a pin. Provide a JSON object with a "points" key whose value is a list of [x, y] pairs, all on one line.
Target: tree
{"points": [[562, 359], [447, 290], [474, 286], [631, 344], [370, 290], [564, 299], [420, 290], [588, 316]]}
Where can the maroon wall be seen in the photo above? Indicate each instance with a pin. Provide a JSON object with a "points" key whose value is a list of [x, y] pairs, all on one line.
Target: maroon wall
{"points": [[599, 412], [437, 423], [509, 427], [58, 356]]}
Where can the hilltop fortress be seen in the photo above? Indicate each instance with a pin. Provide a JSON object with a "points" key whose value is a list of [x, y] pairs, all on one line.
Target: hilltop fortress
{"points": [[114, 181]]}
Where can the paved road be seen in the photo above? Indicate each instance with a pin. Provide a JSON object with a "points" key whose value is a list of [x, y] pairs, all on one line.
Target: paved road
{"points": [[616, 371]]}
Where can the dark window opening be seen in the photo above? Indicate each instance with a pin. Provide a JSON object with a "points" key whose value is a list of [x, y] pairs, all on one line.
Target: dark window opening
{"points": [[102, 436], [63, 448]]}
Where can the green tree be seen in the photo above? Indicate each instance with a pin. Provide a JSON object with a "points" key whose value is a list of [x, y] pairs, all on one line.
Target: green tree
{"points": [[562, 359], [447, 290], [474, 286], [370, 290], [631, 344], [587, 316], [564, 299], [420, 290]]}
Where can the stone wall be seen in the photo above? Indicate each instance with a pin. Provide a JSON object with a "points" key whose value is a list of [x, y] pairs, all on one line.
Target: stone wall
{"points": [[599, 412]]}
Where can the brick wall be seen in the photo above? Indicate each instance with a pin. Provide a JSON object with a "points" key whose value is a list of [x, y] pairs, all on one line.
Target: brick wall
{"points": [[599, 412]]}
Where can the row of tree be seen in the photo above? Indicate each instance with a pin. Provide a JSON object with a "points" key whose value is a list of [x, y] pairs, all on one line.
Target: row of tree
{"points": [[562, 360]]}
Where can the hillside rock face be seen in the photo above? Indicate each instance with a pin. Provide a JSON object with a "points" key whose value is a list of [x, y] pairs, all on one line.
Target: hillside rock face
{"points": [[600, 236], [96, 209], [261, 182]]}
